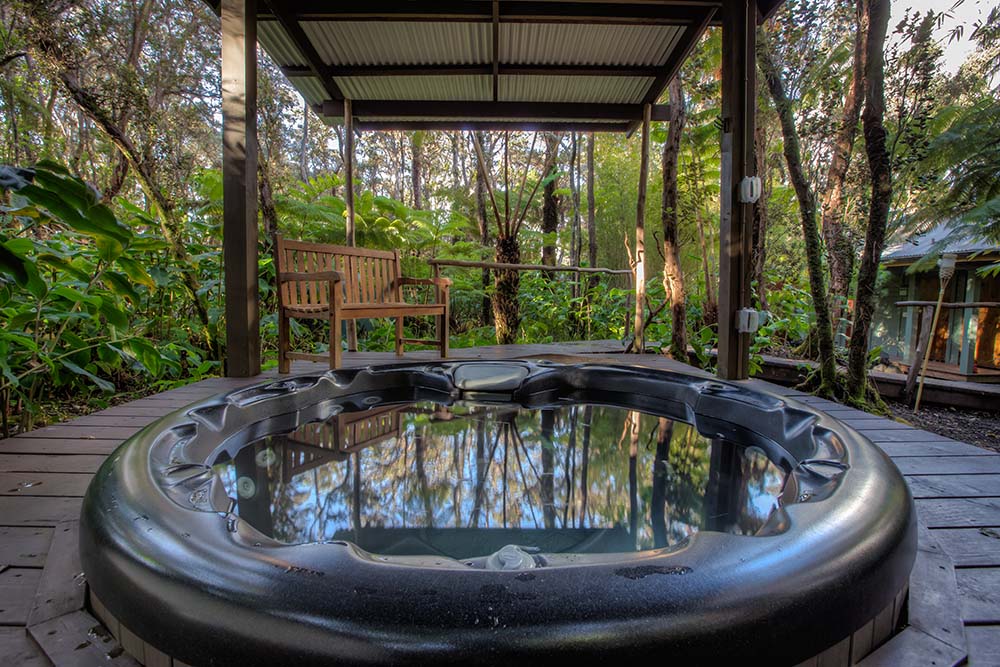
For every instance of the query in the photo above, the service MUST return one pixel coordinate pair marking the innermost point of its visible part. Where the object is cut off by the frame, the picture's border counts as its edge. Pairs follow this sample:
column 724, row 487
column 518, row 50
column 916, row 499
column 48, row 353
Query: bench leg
column 335, row 353
column 399, row 336
column 443, row 333
column 284, row 365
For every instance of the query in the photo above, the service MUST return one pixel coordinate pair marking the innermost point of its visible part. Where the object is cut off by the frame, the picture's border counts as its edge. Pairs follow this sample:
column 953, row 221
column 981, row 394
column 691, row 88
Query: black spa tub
column 497, row 513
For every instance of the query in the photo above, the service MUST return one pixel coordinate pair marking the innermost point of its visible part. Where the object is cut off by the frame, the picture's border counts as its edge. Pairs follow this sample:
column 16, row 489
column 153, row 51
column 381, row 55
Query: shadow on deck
column 954, row 591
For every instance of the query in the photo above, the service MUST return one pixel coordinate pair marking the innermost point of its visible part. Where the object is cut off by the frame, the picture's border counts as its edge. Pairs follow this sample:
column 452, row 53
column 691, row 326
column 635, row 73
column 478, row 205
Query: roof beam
column 496, row 50
column 483, row 70
column 679, row 54
column 481, row 11
column 490, row 126
column 371, row 110
column 319, row 68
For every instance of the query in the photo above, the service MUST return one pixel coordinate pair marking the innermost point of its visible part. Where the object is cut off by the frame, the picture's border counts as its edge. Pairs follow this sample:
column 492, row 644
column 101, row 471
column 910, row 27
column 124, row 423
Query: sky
column 967, row 12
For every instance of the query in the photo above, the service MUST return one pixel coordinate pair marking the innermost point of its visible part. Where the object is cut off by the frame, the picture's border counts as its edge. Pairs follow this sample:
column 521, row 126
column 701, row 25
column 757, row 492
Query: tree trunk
column 304, row 146
column 591, row 213
column 878, row 216
column 484, row 233
column 416, row 168
column 673, row 275
column 840, row 250
column 758, row 243
column 807, row 212
column 550, row 207
column 506, row 307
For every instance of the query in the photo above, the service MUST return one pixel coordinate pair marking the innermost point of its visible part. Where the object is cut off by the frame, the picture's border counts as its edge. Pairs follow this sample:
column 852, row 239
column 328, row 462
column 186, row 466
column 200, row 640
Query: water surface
column 466, row 479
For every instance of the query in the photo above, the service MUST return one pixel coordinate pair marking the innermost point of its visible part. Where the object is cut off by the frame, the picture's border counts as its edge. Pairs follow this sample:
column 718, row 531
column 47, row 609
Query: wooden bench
column 341, row 283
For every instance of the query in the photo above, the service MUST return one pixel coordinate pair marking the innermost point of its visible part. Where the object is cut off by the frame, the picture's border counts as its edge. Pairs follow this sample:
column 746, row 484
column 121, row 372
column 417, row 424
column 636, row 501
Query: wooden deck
column 954, row 590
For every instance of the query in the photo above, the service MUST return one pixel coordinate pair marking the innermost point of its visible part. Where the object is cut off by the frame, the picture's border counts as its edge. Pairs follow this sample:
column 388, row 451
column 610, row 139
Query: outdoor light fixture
column 946, row 269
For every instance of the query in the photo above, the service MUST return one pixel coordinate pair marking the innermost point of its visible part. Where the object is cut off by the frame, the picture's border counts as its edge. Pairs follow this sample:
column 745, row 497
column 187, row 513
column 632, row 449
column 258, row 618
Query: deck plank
column 57, row 446
column 984, row 645
column 72, row 484
column 19, row 650
column 37, row 510
column 959, row 512
column 17, row 593
column 954, row 486
column 73, row 431
column 895, row 449
column 947, row 465
column 24, row 547
column 88, row 463
column 979, row 588
column 971, row 547
column 78, row 640
column 61, row 589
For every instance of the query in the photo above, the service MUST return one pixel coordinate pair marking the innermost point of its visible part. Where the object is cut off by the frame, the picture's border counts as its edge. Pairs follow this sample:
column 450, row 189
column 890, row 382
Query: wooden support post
column 970, row 326
column 352, row 329
column 239, row 185
column 916, row 354
column 739, row 97
column 911, row 317
column 640, row 236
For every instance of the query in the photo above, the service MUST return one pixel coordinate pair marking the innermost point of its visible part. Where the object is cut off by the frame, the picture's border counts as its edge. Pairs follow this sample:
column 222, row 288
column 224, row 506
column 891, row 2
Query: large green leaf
column 101, row 383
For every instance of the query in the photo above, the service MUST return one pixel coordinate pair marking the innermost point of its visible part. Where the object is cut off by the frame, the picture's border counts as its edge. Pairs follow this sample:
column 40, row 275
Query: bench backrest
column 370, row 276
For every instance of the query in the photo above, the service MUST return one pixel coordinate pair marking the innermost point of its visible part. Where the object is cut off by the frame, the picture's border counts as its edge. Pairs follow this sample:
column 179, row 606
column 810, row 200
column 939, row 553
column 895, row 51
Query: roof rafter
column 370, row 110
column 319, row 68
column 510, row 11
column 485, row 69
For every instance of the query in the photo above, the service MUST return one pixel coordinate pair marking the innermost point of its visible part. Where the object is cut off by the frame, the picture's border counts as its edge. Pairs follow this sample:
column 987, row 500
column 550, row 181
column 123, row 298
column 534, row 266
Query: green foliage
column 77, row 284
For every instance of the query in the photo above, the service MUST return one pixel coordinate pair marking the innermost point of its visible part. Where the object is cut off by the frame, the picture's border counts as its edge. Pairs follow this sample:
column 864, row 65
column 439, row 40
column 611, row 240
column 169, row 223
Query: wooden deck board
column 971, row 547
column 57, row 446
column 37, row 510
column 957, row 487
column 17, row 593
column 19, row 650
column 24, row 547
column 51, row 462
column 980, row 591
column 954, row 486
column 21, row 484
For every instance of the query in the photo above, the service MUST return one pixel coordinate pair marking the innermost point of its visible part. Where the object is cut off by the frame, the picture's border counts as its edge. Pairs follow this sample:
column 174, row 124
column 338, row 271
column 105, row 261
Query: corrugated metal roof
column 919, row 245
column 518, row 120
column 279, row 45
column 580, row 44
column 311, row 89
column 476, row 88
column 599, row 89
column 400, row 43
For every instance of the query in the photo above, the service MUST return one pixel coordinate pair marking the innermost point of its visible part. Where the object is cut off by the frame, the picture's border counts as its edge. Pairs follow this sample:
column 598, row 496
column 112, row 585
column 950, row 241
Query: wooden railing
column 436, row 265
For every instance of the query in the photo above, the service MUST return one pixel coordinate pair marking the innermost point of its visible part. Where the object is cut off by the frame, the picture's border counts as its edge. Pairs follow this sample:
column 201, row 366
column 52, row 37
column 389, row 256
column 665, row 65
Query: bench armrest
column 289, row 276
column 440, row 282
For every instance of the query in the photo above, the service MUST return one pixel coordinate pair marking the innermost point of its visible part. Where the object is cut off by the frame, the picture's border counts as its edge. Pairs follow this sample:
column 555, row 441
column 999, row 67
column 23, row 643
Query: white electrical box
column 750, row 189
column 748, row 320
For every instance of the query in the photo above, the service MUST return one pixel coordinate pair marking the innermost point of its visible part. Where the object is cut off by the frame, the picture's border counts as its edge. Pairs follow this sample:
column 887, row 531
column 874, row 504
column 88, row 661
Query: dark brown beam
column 370, row 110
column 239, row 186
column 675, row 59
column 496, row 50
column 680, row 54
column 319, row 68
column 489, row 126
column 631, row 13
column 483, row 70
column 739, row 103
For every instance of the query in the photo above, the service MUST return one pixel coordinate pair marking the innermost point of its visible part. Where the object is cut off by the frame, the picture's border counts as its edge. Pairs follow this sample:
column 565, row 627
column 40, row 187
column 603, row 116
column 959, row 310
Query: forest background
column 110, row 226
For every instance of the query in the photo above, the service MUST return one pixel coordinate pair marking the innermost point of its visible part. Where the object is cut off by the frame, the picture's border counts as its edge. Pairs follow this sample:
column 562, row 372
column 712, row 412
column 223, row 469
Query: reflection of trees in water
column 504, row 467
